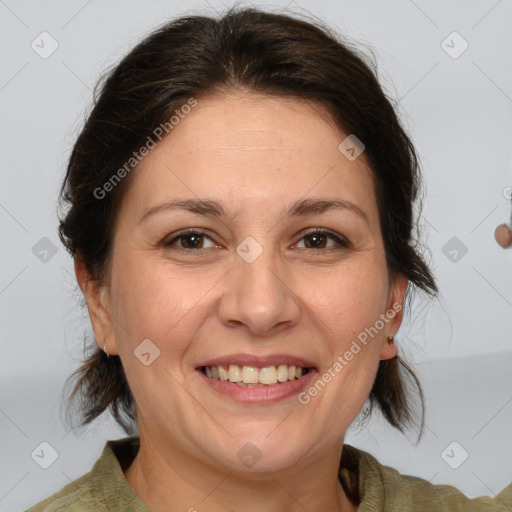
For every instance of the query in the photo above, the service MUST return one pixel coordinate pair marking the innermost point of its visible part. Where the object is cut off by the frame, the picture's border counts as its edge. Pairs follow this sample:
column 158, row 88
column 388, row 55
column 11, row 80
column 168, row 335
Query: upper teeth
column 253, row 374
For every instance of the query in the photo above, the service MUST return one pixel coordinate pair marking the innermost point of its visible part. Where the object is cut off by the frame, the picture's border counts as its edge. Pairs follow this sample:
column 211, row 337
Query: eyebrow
column 301, row 208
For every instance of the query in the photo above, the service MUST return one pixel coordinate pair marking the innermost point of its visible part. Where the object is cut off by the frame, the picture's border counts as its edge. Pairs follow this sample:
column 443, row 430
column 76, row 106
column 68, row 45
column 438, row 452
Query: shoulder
column 385, row 487
column 103, row 488
column 77, row 496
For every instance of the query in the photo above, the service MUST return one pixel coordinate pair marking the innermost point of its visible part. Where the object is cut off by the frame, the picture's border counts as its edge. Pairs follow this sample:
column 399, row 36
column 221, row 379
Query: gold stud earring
column 391, row 339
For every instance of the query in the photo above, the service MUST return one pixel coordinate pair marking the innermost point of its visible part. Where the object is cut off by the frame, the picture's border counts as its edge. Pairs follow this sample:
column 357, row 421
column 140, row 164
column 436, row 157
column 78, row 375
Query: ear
column 394, row 315
column 98, row 303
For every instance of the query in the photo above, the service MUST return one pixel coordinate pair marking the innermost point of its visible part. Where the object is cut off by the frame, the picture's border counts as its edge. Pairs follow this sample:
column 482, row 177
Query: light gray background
column 459, row 114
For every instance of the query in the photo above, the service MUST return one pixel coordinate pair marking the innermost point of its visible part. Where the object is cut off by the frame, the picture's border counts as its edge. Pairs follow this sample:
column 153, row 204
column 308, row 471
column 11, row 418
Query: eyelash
column 343, row 244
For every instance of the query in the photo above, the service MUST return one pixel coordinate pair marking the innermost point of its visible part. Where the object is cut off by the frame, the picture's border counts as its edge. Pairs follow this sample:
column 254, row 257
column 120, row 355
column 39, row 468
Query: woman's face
column 258, row 281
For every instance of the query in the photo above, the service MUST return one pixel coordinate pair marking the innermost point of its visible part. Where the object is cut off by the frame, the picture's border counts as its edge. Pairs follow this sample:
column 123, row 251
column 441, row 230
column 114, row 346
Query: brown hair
column 191, row 57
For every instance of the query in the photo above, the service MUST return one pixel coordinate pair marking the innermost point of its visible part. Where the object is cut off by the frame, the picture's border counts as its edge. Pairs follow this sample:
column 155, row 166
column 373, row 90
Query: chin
column 260, row 452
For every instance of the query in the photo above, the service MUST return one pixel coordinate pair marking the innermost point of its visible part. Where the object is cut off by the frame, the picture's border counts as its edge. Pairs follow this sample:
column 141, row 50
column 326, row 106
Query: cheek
column 348, row 299
column 345, row 306
column 160, row 302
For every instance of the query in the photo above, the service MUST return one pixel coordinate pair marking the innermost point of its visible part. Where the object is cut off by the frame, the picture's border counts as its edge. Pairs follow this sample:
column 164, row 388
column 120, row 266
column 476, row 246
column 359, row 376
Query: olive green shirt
column 373, row 486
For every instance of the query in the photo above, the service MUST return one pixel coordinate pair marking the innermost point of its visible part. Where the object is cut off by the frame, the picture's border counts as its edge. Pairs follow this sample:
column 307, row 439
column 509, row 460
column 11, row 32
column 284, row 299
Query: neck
column 164, row 476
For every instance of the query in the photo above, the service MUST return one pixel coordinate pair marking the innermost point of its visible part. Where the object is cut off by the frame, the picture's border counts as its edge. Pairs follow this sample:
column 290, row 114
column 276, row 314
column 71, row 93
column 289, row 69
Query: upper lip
column 258, row 361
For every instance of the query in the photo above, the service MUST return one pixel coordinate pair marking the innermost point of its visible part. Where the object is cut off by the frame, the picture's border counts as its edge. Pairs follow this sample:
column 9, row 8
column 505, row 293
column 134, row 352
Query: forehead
column 243, row 126
column 253, row 150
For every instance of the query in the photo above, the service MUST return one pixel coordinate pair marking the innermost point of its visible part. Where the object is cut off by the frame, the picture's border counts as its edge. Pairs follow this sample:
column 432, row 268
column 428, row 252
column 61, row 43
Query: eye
column 190, row 240
column 193, row 239
column 318, row 239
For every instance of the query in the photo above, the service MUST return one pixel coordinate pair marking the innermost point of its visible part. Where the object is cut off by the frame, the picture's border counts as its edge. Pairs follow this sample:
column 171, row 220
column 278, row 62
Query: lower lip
column 267, row 394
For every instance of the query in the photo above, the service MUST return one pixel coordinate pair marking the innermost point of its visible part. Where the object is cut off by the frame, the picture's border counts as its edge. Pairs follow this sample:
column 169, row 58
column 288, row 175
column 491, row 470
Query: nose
column 258, row 297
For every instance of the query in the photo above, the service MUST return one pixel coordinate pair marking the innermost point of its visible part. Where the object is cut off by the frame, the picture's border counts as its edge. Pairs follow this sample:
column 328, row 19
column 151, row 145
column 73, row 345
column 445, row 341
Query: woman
column 241, row 219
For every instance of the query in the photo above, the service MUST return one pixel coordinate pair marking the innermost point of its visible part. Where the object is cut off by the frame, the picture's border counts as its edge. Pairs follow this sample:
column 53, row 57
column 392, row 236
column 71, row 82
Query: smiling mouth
column 252, row 376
